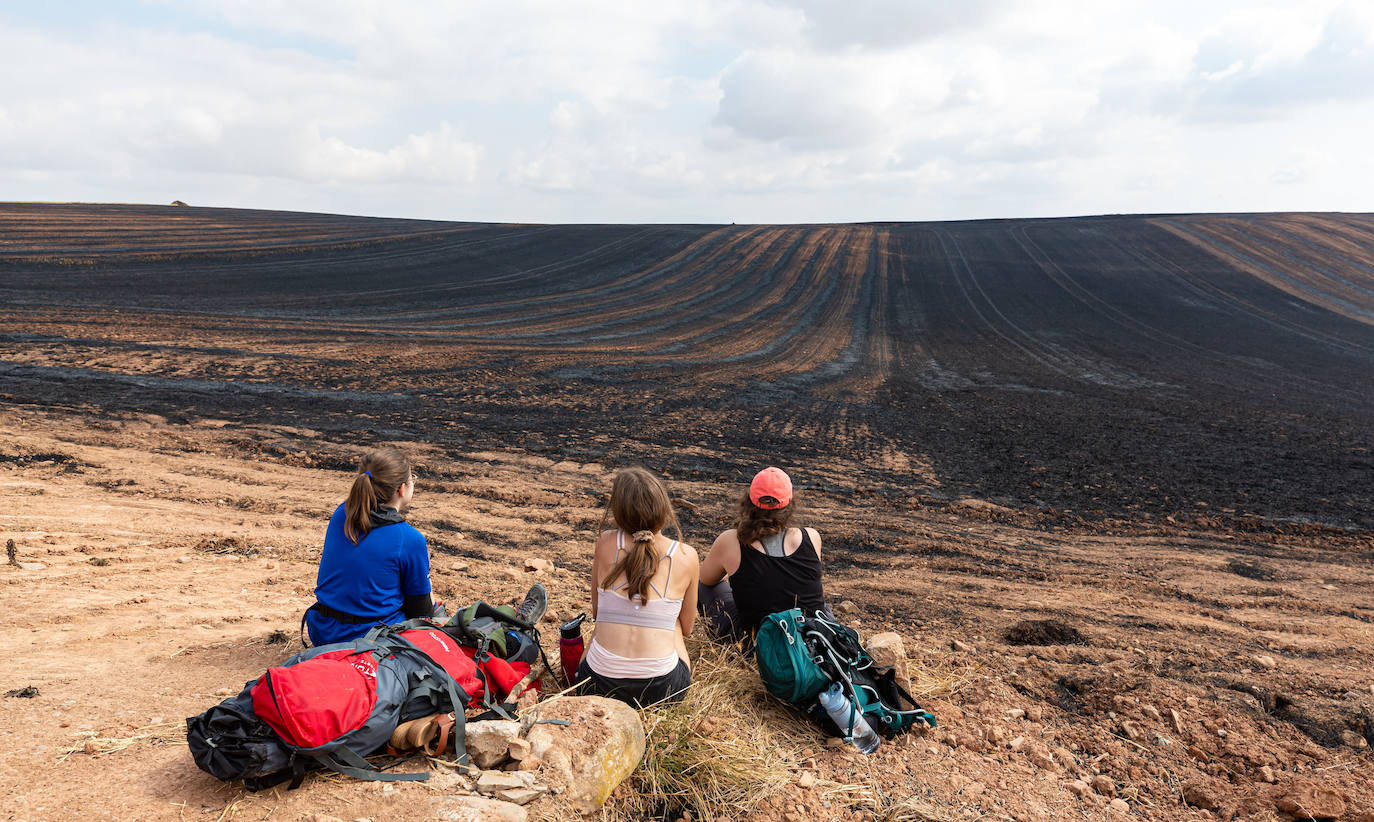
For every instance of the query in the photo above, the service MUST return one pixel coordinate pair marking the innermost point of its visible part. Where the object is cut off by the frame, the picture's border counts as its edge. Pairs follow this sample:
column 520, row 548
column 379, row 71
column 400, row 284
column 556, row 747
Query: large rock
column 602, row 744
column 477, row 809
column 1305, row 799
column 887, row 651
column 489, row 742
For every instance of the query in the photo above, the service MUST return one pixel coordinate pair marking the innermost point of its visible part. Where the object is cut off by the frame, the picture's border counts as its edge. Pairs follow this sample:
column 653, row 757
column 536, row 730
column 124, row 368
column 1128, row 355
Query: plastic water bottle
column 837, row 705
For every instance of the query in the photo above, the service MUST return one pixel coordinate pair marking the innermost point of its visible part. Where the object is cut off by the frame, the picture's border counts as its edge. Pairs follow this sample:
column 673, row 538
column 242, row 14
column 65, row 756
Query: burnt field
column 1133, row 367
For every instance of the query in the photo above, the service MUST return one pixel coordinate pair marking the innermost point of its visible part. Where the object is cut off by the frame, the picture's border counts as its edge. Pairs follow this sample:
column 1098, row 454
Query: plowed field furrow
column 1250, row 247
column 1112, row 365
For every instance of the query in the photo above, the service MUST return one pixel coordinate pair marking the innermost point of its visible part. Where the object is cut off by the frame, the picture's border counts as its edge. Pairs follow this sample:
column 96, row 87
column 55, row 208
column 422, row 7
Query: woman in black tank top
column 771, row 566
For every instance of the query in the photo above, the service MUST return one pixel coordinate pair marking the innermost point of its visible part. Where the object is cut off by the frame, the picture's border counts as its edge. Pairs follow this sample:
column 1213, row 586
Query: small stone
column 1305, row 799
column 1015, row 714
column 1198, row 754
column 1266, row 774
column 1353, row 739
column 478, row 809
column 1131, row 731
column 806, row 780
column 961, row 647
column 1042, row 760
column 1176, row 720
column 835, row 742
column 996, row 735
column 520, row 748
column 1150, row 711
column 491, row 782
column 489, row 742
column 1017, row 744
column 1077, row 787
column 530, row 763
column 969, row 742
column 887, row 650
column 1034, row 713
column 551, row 617
column 1120, row 806
column 1265, row 661
column 522, row 796
column 183, row 560
column 542, row 566
column 1104, row 785
column 1200, row 795
column 322, row 817
column 225, row 692
column 847, row 608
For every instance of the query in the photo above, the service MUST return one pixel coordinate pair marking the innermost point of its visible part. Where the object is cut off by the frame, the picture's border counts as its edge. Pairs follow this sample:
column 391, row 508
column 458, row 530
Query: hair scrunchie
column 368, row 474
column 642, row 536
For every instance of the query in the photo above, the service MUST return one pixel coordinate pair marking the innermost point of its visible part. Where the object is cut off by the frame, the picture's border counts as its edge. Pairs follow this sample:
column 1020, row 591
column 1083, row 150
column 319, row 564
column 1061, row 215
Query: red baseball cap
column 771, row 482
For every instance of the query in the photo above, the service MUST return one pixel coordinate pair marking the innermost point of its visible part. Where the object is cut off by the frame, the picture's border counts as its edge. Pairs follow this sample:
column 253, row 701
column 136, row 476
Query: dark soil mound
column 1043, row 632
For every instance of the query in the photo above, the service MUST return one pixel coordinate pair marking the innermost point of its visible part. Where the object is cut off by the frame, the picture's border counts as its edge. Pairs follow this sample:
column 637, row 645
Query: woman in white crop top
column 644, row 592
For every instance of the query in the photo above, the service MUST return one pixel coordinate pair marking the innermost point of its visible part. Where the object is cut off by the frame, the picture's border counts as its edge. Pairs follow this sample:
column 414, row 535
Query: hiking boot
column 536, row 603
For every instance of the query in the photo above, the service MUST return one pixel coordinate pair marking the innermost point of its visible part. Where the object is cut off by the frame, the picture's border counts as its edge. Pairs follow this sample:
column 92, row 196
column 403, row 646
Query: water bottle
column 570, row 647
column 837, row 705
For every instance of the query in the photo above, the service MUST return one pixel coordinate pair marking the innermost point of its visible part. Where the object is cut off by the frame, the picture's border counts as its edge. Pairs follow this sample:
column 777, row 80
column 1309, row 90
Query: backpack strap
column 347, row 762
column 773, row 545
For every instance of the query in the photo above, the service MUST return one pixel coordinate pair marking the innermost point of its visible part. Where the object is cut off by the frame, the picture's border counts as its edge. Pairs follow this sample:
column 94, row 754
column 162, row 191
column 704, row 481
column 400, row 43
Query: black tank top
column 764, row 584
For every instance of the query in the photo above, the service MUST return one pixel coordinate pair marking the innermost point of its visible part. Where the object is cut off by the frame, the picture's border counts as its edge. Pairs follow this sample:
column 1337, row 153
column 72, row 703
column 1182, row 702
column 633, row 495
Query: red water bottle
column 570, row 647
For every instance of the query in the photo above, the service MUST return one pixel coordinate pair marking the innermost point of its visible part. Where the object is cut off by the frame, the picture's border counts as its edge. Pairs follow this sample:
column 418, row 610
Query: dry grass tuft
column 90, row 742
column 730, row 745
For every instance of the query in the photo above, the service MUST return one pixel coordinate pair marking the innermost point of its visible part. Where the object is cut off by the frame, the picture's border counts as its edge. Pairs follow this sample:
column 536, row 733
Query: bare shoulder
column 730, row 537
column 688, row 554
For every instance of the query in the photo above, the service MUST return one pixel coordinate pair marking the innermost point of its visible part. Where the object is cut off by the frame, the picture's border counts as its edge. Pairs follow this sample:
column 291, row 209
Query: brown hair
column 641, row 507
column 753, row 523
column 380, row 473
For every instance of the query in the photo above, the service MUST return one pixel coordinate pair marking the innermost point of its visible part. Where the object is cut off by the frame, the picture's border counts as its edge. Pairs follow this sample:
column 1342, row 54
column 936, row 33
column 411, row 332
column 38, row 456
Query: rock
column 835, row 742
column 602, row 744
column 887, row 650
column 543, row 566
column 1201, row 795
column 489, row 742
column 1103, row 784
column 996, row 736
column 1353, row 739
column 1266, row 774
column 806, row 780
column 522, row 796
column 1017, row 744
column 1120, row 806
column 494, row 781
column 1265, row 661
column 1150, row 711
column 183, row 560
column 1034, row 713
column 551, row 617
column 1371, row 688
column 521, row 749
column 1131, row 731
column 530, row 763
column 1077, row 787
column 1042, row 760
column 1015, row 714
column 847, row 608
column 477, row 809
column 1305, row 799
column 1198, row 753
column 961, row 647
column 1177, row 721
column 969, row 742
column 322, row 817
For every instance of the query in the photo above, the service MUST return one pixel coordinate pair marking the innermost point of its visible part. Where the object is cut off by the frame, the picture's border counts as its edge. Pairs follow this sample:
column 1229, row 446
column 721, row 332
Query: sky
column 691, row 111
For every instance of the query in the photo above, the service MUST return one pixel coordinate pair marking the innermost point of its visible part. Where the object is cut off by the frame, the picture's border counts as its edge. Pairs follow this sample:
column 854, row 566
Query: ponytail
column 641, row 506
column 380, row 474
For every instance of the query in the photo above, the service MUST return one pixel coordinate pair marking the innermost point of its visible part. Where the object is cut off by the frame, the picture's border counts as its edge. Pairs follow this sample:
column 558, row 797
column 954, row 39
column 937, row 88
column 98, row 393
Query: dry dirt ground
column 176, row 562
column 1149, row 437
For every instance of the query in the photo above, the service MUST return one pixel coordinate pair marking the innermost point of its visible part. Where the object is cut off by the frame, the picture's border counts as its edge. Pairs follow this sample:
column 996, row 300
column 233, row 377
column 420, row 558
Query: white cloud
column 757, row 110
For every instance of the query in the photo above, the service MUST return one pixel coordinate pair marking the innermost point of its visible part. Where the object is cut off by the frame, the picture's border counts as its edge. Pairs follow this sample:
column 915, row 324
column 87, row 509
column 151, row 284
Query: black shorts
column 669, row 688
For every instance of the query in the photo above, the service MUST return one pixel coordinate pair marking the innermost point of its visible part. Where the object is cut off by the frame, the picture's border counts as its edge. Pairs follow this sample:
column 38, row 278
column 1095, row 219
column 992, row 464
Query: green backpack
column 785, row 663
column 800, row 656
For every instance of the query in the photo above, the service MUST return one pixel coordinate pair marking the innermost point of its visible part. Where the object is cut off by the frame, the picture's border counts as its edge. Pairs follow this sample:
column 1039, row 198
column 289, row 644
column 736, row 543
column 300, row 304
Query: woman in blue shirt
column 375, row 565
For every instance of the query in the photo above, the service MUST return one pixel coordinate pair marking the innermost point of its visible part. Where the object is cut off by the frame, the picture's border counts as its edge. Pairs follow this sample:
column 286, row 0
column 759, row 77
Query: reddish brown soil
column 1091, row 421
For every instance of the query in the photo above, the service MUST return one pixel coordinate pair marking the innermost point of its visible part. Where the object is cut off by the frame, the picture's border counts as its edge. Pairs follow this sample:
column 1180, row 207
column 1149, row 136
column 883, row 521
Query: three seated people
column 646, row 587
